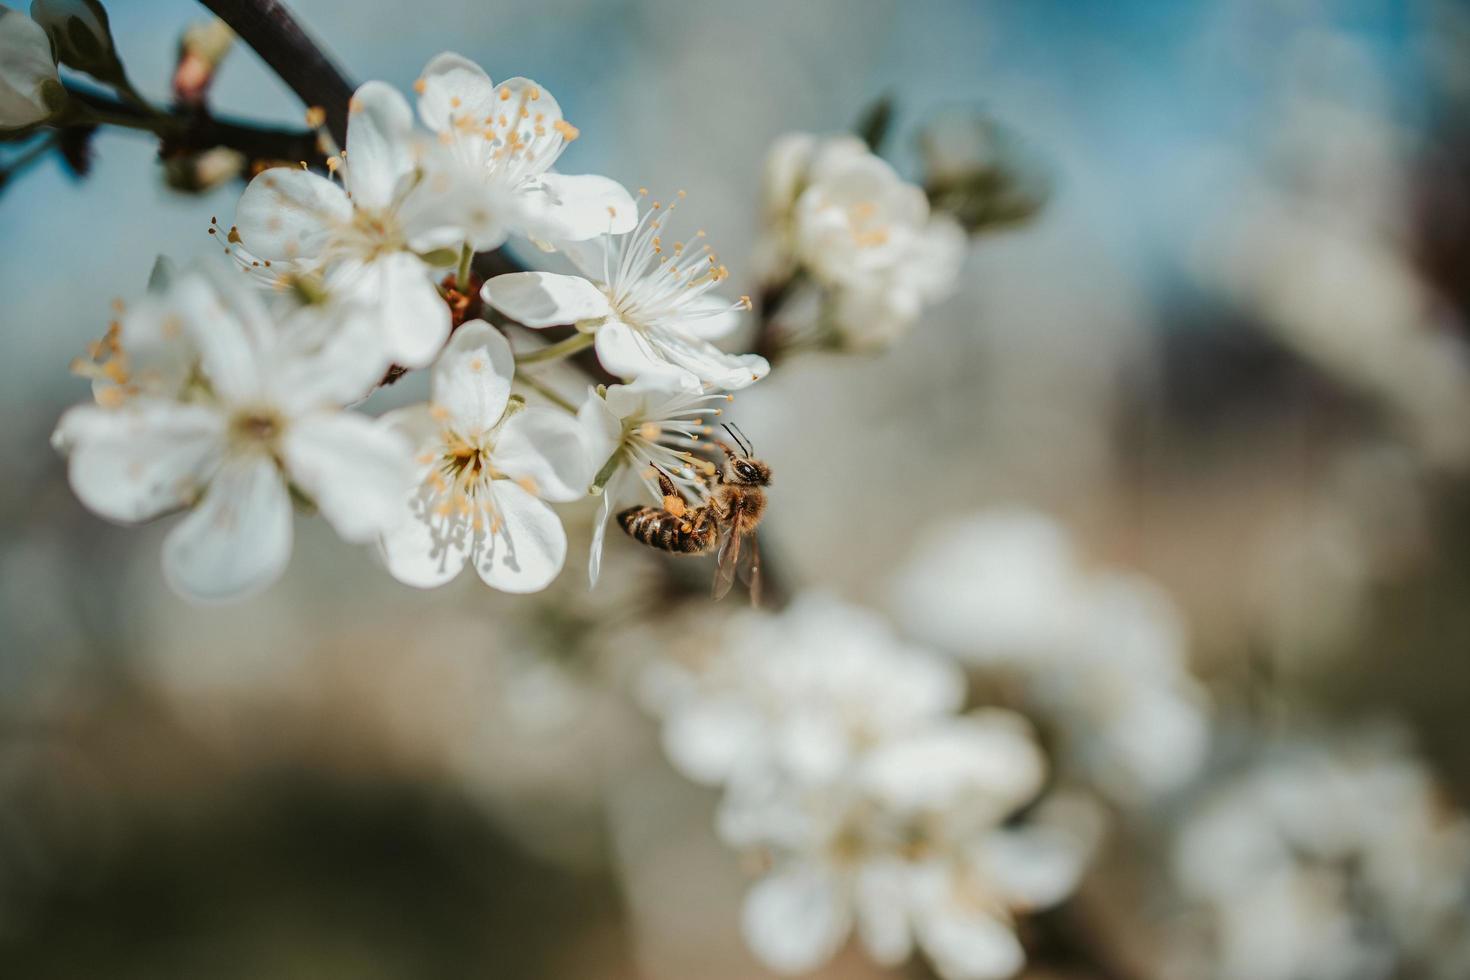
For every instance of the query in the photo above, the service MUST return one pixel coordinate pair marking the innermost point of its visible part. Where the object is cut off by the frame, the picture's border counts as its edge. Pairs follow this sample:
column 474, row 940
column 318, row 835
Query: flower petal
column 627, row 353
column 398, row 288
column 881, row 894
column 525, row 545
column 967, row 944
column 328, row 355
column 544, row 299
column 707, row 362
column 546, row 451
column 423, row 548
column 794, row 920
column 356, row 471
column 453, row 85
column 238, row 540
column 599, row 538
column 287, row 213
column 379, row 144
column 138, row 461
column 574, row 208
column 471, row 379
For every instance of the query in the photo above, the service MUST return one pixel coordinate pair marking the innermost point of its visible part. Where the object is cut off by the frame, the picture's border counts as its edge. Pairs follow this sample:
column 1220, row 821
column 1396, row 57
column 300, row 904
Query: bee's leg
column 673, row 500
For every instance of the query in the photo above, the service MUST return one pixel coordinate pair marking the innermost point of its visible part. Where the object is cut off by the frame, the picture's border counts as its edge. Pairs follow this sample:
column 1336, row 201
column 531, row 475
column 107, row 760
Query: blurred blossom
column 30, row 90
column 836, row 211
column 1328, row 861
column 880, row 809
column 1099, row 655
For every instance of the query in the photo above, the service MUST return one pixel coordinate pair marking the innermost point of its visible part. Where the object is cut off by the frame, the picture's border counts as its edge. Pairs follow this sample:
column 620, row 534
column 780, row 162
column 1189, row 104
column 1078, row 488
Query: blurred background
column 1229, row 354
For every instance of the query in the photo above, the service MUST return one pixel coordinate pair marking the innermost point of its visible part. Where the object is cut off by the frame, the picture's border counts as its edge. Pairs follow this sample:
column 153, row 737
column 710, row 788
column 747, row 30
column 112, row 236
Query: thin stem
column 545, row 391
column 186, row 130
column 462, row 275
column 557, row 351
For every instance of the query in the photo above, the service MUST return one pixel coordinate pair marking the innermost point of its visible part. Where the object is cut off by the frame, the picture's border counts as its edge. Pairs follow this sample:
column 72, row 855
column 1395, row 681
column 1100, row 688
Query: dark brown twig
column 273, row 33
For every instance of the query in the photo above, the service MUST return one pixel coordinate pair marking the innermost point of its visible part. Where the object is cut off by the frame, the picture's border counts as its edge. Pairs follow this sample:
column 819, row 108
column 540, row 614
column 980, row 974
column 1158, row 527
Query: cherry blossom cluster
column 1100, row 654
column 1327, row 858
column 229, row 389
column 877, row 806
column 860, row 243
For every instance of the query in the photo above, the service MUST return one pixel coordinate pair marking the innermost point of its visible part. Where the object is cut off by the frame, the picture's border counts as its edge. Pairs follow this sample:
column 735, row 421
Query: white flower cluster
column 841, row 215
column 1328, row 862
column 880, row 808
column 231, row 400
column 1099, row 654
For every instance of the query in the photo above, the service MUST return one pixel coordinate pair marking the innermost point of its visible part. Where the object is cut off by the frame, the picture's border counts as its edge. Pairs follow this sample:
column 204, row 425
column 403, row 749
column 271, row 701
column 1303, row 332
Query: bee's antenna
column 735, row 434
column 749, row 446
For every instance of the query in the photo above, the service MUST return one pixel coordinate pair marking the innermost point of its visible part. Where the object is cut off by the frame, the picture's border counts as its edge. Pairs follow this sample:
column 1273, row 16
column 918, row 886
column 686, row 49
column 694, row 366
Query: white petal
column 599, row 538
column 1032, row 867
column 715, row 317
column 398, row 288
column 328, row 355
column 226, row 322
column 526, row 549
column 626, row 352
column 545, row 450
column 136, row 462
column 967, row 944
column 238, row 540
column 379, row 144
column 288, row 213
column 418, row 548
column 544, row 299
column 574, row 208
column 708, row 739
column 706, row 361
column 357, row 472
column 25, row 69
column 453, row 86
column 471, row 379
column 881, row 895
column 794, row 920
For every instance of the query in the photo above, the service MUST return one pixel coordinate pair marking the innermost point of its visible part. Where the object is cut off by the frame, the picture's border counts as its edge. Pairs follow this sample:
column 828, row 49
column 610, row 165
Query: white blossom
column 647, row 301
column 841, row 213
column 30, row 90
column 1101, row 655
column 487, row 467
column 260, row 416
column 637, row 430
column 802, row 693
column 366, row 238
column 500, row 142
column 1326, row 861
column 879, row 810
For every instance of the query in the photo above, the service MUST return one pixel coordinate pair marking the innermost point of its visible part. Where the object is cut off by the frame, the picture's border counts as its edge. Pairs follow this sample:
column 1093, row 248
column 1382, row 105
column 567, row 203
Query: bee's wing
column 750, row 569
column 728, row 557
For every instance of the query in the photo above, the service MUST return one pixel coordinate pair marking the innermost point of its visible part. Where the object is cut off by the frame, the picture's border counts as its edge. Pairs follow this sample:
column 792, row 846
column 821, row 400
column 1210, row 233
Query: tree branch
column 187, row 129
column 273, row 33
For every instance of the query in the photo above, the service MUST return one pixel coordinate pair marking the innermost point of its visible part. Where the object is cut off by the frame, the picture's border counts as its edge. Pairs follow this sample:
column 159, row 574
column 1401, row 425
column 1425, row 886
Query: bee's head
column 743, row 468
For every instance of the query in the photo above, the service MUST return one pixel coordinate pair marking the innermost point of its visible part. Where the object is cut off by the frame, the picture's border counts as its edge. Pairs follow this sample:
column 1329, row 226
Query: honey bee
column 728, row 516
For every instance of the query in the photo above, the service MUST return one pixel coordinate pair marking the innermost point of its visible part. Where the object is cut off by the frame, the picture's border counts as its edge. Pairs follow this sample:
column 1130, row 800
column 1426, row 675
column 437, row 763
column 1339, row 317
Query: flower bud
column 30, row 91
column 204, row 171
column 202, row 49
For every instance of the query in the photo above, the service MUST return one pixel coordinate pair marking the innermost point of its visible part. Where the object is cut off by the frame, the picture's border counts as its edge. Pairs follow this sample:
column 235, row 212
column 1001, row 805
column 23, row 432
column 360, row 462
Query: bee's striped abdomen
column 691, row 534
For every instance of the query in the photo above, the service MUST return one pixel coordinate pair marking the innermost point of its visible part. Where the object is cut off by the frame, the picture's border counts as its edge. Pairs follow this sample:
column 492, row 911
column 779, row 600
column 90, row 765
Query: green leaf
column 874, row 123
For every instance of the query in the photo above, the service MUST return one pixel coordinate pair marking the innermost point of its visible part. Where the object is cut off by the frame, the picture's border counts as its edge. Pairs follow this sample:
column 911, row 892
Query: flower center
column 256, row 429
